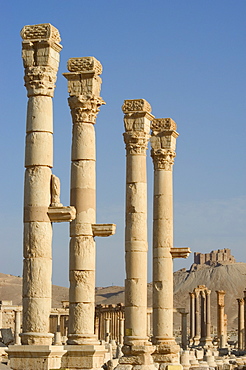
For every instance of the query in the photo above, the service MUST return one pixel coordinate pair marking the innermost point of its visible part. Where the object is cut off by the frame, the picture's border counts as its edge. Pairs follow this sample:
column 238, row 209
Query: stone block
column 35, row 357
column 39, row 114
column 39, row 149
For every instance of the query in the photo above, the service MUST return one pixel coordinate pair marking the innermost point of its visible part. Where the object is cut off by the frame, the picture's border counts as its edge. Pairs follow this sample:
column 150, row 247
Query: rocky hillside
column 229, row 277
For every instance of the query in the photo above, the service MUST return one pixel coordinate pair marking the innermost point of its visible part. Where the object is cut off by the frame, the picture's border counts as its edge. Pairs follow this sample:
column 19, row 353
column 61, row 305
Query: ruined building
column 214, row 257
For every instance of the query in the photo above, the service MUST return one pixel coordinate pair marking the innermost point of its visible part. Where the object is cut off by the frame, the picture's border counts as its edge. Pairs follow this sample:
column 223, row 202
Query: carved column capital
column 40, row 53
column 84, row 108
column 136, row 142
column 240, row 301
column 163, row 159
column 84, row 86
column 163, row 143
column 137, row 118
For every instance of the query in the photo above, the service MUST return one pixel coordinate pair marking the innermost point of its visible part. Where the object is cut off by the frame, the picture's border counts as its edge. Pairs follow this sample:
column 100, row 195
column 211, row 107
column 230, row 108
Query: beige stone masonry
column 221, row 332
column 42, row 357
column 84, row 85
column 137, row 350
column 163, row 144
column 84, row 101
column 40, row 53
column 241, row 323
column 103, row 230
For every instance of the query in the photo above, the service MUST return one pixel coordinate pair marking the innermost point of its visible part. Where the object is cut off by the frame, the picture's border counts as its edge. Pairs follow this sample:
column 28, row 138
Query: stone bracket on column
column 180, row 252
column 103, row 230
column 61, row 214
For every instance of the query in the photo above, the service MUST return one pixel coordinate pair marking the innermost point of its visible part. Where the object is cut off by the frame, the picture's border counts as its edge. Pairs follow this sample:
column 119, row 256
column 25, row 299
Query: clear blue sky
column 187, row 59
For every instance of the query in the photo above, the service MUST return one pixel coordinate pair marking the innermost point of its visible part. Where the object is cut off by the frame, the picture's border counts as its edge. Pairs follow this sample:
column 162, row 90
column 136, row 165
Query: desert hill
column 229, row 277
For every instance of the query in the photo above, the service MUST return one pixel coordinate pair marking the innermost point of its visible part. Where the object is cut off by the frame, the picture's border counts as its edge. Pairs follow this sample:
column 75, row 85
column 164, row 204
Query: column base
column 206, row 342
column 86, row 356
column 23, row 357
column 40, row 339
column 137, row 355
column 196, row 341
column 74, row 339
column 167, row 351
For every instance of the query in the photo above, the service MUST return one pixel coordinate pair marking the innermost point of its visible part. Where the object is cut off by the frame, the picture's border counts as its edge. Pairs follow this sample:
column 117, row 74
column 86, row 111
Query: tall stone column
column 203, row 317
column 163, row 144
column 192, row 317
column 121, row 330
column 208, row 339
column 244, row 298
column 84, row 85
column 137, row 119
column 17, row 326
column 184, row 329
column 221, row 317
column 241, row 328
column 40, row 53
column 197, row 318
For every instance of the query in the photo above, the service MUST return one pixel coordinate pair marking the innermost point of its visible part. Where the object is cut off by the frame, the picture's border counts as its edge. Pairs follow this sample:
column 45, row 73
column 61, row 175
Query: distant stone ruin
column 214, row 257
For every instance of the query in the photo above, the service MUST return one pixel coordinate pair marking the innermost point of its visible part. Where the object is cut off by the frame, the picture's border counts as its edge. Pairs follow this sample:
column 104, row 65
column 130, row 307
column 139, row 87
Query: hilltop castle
column 214, row 257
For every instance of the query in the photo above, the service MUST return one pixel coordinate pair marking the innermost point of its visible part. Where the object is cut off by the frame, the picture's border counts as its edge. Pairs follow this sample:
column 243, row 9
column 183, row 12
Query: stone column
column 244, row 298
column 203, row 317
column 240, row 302
column 84, row 85
column 184, row 330
column 220, row 317
column 121, row 330
column 40, row 53
column 208, row 339
column 192, row 318
column 17, row 326
column 197, row 318
column 137, row 127
column 107, row 330
column 163, row 144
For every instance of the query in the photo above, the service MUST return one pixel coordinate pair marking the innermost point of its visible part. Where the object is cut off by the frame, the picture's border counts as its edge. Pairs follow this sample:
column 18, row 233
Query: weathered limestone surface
column 84, row 101
column 84, row 85
column 40, row 52
column 42, row 357
column 163, row 144
column 137, row 350
column 241, row 323
column 221, row 318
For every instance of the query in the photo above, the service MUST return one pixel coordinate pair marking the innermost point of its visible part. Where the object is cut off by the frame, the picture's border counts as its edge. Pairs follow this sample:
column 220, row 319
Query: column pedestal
column 23, row 357
column 84, row 356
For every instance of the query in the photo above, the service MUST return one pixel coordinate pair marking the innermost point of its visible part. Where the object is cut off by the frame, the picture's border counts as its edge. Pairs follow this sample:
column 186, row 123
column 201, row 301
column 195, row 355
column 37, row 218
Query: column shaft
column 184, row 329
column 137, row 127
column 220, row 316
column 84, row 101
column 240, row 323
column 163, row 144
column 41, row 58
column 192, row 317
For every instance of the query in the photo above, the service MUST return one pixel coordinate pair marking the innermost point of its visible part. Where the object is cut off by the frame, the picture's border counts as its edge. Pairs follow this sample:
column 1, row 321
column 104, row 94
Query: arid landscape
column 229, row 277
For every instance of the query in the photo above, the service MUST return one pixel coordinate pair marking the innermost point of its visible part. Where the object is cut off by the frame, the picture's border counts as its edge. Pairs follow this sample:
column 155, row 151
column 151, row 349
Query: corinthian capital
column 40, row 53
column 163, row 159
column 137, row 120
column 84, row 86
column 163, row 143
